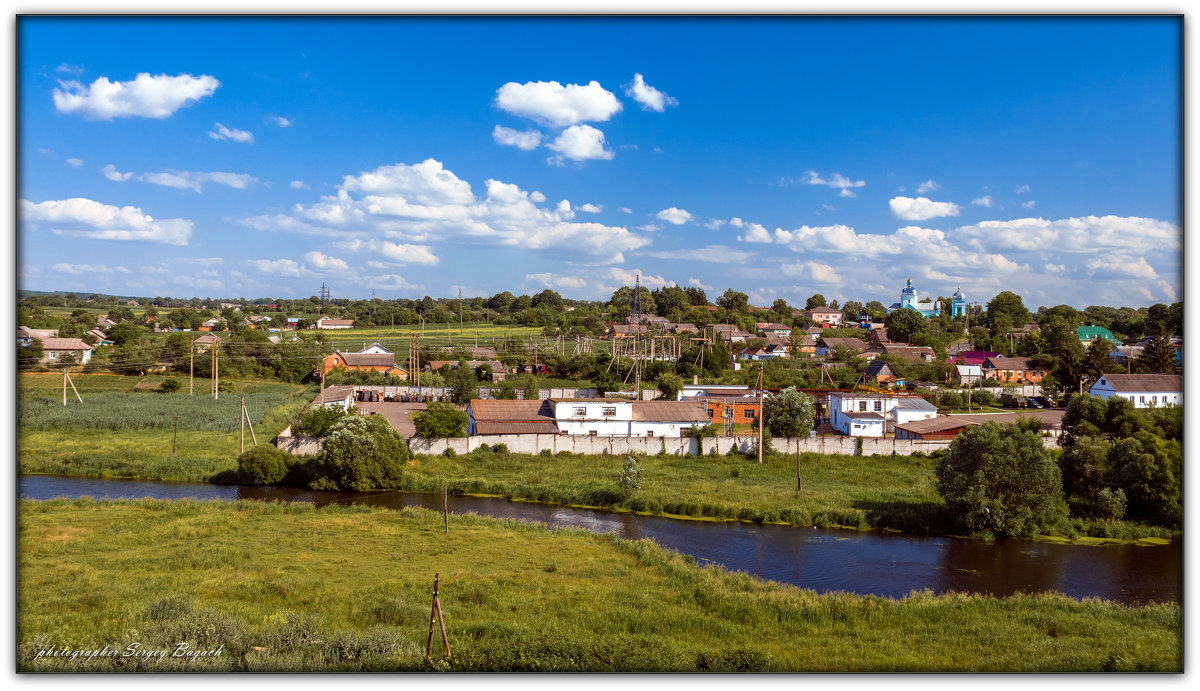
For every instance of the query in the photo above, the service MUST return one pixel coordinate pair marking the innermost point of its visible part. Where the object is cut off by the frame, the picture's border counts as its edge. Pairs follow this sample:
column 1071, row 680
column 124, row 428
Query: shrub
column 361, row 453
column 499, row 448
column 545, row 452
column 170, row 385
column 449, row 452
column 630, row 478
column 262, row 465
column 315, row 421
column 440, row 420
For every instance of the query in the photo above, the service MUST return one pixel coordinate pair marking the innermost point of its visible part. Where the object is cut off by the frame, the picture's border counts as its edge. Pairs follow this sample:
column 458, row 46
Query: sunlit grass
column 350, row 588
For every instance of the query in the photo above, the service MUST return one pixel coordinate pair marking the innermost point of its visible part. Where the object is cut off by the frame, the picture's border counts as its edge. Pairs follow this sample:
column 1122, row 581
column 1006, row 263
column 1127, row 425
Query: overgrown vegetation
column 274, row 584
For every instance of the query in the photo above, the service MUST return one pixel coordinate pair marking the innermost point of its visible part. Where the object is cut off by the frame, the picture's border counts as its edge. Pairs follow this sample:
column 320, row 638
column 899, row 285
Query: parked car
column 1038, row 402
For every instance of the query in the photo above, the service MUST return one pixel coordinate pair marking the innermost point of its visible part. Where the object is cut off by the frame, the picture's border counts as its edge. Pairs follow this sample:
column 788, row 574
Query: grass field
column 293, row 588
column 120, row 431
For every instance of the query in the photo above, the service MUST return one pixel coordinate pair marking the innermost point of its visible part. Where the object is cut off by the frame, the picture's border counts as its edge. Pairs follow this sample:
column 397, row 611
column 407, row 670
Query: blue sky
column 256, row 157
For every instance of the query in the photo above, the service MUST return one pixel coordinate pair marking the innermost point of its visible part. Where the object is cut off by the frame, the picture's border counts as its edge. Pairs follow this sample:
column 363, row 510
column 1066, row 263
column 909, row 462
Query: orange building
column 1012, row 370
column 733, row 409
column 367, row 362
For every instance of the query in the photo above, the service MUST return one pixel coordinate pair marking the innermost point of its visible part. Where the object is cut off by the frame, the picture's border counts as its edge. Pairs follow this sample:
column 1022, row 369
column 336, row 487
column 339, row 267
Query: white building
column 863, row 414
column 1144, row 390
column 600, row 417
column 692, row 391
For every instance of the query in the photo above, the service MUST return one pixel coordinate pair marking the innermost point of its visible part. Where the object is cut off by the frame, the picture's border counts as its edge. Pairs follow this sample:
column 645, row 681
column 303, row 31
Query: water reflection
column 823, row 560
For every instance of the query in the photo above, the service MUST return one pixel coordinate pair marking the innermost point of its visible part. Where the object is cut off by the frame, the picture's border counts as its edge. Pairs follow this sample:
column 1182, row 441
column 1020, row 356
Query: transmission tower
column 324, row 296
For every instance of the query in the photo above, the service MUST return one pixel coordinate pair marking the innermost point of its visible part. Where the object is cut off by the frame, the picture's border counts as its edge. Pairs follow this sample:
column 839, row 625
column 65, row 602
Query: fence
column 437, row 392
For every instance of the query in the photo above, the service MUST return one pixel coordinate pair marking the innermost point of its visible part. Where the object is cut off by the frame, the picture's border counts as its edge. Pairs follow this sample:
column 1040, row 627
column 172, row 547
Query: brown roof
column 669, row 411
column 336, row 322
column 1145, row 382
column 208, row 339
column 851, row 343
column 64, row 344
column 334, row 393
column 911, row 353
column 942, row 423
column 824, row 310
column 1020, row 364
column 511, row 411
column 367, row 359
column 490, row 427
column 496, row 365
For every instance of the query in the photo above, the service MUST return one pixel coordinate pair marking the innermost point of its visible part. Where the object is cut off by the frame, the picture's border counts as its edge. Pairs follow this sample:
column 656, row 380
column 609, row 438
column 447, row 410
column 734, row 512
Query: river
column 888, row 565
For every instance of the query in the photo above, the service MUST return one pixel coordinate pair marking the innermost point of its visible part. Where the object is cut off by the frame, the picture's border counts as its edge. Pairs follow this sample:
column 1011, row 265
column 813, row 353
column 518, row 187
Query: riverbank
column 887, row 493
column 287, row 587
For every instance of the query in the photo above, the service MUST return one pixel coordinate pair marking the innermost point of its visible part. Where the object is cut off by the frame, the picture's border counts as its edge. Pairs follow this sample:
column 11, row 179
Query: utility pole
column 242, row 424
column 174, row 435
column 191, row 363
column 760, row 412
column 460, row 312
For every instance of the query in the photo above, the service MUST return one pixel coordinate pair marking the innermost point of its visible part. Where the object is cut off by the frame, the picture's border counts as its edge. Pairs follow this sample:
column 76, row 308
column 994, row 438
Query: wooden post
column 435, row 615
column 242, row 424
column 446, row 507
column 174, row 435
column 64, row 387
column 191, row 363
column 249, row 424
column 799, row 483
column 72, row 383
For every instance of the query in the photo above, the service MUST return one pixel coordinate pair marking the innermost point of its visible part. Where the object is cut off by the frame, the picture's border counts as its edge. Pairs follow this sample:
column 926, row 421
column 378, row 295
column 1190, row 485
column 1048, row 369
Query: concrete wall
column 298, row 445
column 484, row 392
column 535, row 443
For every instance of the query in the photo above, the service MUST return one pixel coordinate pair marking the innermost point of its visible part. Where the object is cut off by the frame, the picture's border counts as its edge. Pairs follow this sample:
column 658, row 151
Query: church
column 908, row 299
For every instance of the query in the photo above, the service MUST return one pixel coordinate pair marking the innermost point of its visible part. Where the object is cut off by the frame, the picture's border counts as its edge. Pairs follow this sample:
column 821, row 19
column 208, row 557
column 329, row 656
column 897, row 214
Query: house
column 695, row 391
column 969, row 374
column 731, row 408
column 328, row 323
column 206, row 341
column 868, row 414
column 880, row 372
column 878, row 337
column 825, row 346
column 624, row 331
column 101, row 339
column 54, row 350
column 681, row 327
column 773, row 329
column 25, row 335
column 972, row 357
column 825, row 316
column 1012, row 370
column 910, row 353
column 731, row 333
column 941, row 428
column 104, row 322
column 499, row 372
column 364, row 361
column 340, row 396
column 376, row 349
column 1144, row 390
column 510, row 417
column 767, row 352
column 625, row 418
column 1123, row 354
column 1090, row 333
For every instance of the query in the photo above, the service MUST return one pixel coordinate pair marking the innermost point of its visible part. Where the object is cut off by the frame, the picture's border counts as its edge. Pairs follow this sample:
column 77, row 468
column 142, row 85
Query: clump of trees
column 360, row 453
column 788, row 413
column 262, row 465
column 1002, row 481
column 440, row 420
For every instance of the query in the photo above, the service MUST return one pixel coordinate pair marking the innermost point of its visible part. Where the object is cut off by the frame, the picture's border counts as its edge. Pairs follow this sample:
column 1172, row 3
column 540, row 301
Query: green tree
column 315, row 421
column 1084, row 465
column 1158, row 356
column 507, row 391
column 262, row 465
column 1097, row 358
column 814, row 301
column 361, row 453
column 440, row 420
column 28, row 356
column 463, row 384
column 669, row 385
column 733, row 301
column 1007, row 304
column 1001, row 481
column 1148, row 469
column 788, row 413
column 903, row 324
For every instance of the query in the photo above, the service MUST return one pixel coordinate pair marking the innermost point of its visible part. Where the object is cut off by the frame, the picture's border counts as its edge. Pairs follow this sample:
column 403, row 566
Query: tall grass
column 138, row 411
column 288, row 587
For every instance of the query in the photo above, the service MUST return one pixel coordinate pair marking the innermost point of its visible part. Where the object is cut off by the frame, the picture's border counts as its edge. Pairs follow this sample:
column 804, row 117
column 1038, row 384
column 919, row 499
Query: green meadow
column 287, row 587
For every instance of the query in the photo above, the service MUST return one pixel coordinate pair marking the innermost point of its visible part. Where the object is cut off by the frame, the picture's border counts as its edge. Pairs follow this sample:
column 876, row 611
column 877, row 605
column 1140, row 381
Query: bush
column 361, row 453
column 631, row 476
column 315, row 421
column 449, row 452
column 499, row 448
column 545, row 452
column 170, row 385
column 262, row 465
column 440, row 420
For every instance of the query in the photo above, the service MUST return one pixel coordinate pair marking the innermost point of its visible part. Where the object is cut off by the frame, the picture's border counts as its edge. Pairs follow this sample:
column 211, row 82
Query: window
column 51, row 354
column 748, row 413
column 609, row 411
column 878, row 406
column 862, row 406
column 710, row 413
column 1141, row 399
column 591, row 433
column 580, row 411
column 650, row 433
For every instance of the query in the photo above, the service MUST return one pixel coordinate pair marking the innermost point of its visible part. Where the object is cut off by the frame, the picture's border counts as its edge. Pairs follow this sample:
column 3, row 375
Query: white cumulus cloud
column 220, row 131
column 580, row 143
column 1021, row 189
column 557, row 105
column 157, row 96
column 298, row 185
column 673, row 215
column 716, row 254
column 648, row 96
column 525, row 140
column 556, row 282
column 928, row 186
column 279, row 121
column 110, row 172
column 921, row 208
column 74, row 162
column 324, row 262
column 91, row 219
column 697, row 283
column 984, row 201
column 1029, row 204
column 591, row 208
column 76, row 269
column 278, row 267
column 195, row 181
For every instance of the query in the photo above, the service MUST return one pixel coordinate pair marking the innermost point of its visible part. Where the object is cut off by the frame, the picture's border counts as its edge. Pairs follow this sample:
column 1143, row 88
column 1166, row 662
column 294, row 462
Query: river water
column 888, row 565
